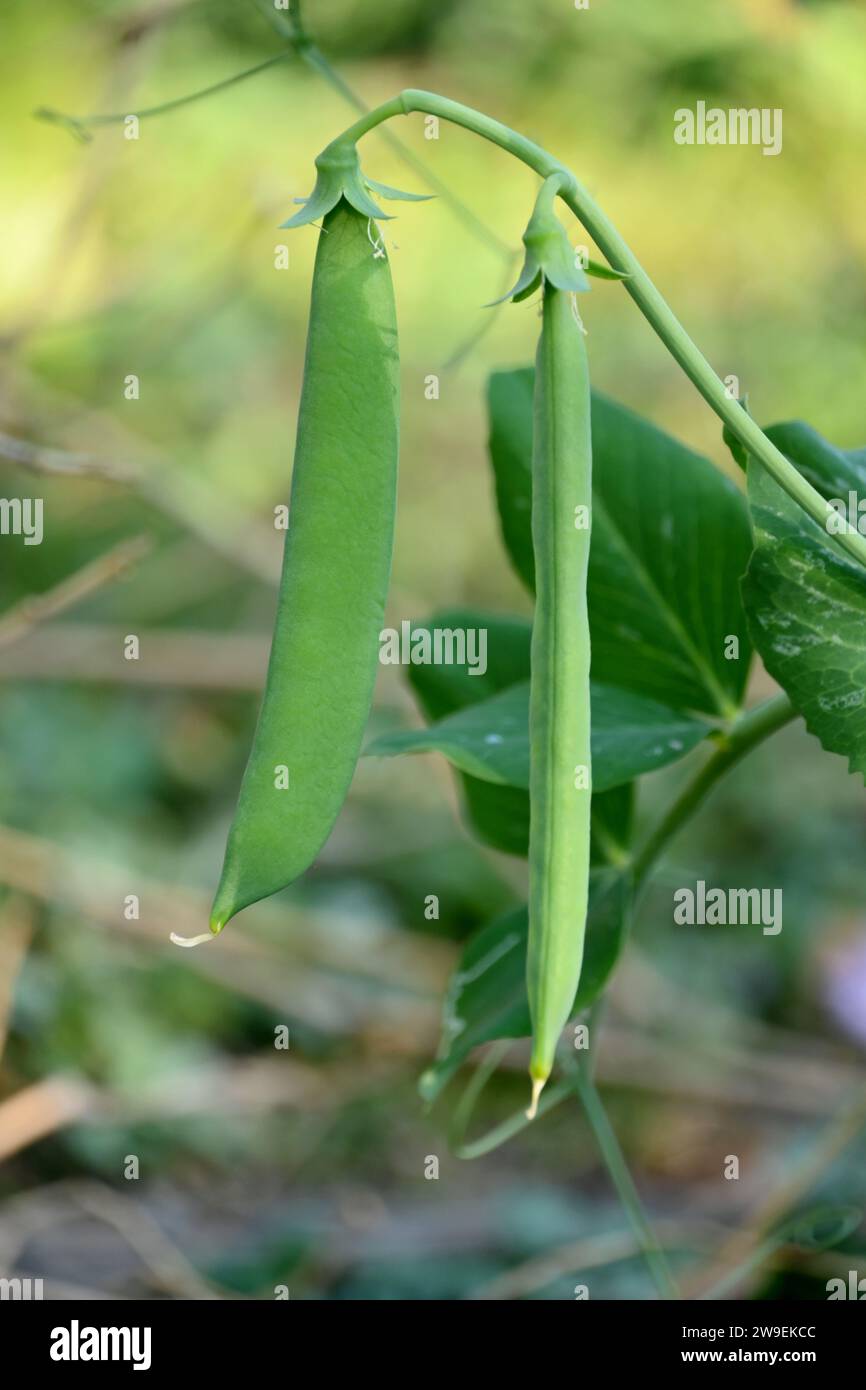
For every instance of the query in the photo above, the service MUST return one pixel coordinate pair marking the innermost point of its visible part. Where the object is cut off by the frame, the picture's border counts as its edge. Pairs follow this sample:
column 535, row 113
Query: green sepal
column 355, row 192
column 325, row 196
column 605, row 272
column 386, row 191
column 547, row 243
column 339, row 175
column 528, row 282
column 549, row 253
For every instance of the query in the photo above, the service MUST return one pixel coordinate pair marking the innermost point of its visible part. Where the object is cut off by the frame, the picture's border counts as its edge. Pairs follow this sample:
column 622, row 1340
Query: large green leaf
column 486, row 996
column 612, row 824
column 490, row 739
column 806, row 604
column 834, row 472
column 498, row 816
column 509, row 413
column 670, row 540
column 442, row 689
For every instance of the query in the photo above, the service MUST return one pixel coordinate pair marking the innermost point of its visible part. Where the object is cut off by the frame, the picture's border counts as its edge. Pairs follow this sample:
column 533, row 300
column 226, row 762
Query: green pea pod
column 559, row 717
column 335, row 576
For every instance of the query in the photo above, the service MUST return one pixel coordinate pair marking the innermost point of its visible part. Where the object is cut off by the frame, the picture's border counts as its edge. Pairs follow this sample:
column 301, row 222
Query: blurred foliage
column 156, row 257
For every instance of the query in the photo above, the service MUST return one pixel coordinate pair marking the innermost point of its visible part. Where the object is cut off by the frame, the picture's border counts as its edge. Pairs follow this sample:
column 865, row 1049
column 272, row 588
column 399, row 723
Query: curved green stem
column 745, row 734
column 623, row 1181
column 506, row 1129
column 637, row 283
column 291, row 26
column 431, row 104
column 79, row 125
column 582, row 1073
column 578, row 1080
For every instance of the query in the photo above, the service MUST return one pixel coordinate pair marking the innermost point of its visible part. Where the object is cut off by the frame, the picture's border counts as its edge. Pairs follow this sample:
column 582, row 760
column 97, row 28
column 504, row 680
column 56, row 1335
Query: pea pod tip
column 538, row 1083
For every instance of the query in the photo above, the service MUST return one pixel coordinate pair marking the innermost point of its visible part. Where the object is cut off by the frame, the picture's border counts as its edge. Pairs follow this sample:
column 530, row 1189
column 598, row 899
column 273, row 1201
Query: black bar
column 230, row 1337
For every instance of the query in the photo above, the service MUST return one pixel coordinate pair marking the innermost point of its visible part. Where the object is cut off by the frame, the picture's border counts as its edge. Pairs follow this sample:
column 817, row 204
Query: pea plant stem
column 746, row 732
column 81, row 124
column 614, row 1161
column 638, row 284
column 582, row 1077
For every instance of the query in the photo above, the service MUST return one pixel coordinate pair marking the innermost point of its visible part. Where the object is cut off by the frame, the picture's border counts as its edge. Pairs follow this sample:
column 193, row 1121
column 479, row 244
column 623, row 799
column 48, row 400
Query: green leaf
column 490, row 738
column 612, row 824
column 739, row 452
column 497, row 816
column 486, row 995
column 670, row 540
column 509, row 413
column 806, row 605
column 834, row 472
column 820, row 1228
column 442, row 689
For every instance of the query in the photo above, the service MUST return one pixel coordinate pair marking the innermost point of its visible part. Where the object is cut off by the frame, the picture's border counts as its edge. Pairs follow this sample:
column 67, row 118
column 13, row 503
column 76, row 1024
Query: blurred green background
column 156, row 257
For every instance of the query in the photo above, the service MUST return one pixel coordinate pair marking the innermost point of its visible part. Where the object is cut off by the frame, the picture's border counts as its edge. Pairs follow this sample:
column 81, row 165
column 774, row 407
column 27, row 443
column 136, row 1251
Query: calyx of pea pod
column 339, row 175
column 549, row 254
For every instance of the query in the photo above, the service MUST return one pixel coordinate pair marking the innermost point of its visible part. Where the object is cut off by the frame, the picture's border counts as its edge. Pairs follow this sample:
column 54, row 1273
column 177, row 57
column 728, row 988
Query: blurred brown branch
column 190, row 659
column 256, row 1085
column 593, row 1252
column 248, row 543
column 19, row 620
column 41, row 459
column 33, row 1213
column 36, row 1111
column 773, row 1082
column 596, row 1252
